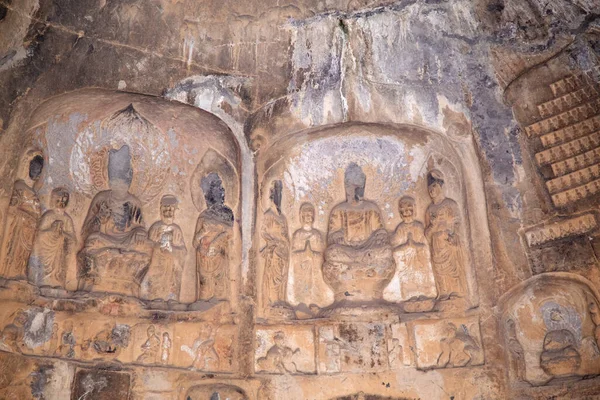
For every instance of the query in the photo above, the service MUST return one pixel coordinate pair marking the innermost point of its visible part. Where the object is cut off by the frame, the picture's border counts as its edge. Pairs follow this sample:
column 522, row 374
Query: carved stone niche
column 119, row 332
column 551, row 329
column 557, row 105
column 125, row 194
column 360, row 217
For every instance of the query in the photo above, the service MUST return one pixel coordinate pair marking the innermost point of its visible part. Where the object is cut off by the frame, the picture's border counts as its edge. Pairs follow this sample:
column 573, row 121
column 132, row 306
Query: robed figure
column 276, row 251
column 54, row 246
column 305, row 281
column 443, row 231
column 163, row 280
column 21, row 222
column 212, row 240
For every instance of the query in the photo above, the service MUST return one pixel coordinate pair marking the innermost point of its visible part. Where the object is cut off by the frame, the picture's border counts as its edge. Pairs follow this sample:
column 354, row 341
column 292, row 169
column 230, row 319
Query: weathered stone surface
column 376, row 199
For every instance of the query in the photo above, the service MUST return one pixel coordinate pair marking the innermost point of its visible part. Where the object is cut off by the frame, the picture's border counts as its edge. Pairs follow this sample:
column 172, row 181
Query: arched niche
column 310, row 168
column 551, row 329
column 170, row 149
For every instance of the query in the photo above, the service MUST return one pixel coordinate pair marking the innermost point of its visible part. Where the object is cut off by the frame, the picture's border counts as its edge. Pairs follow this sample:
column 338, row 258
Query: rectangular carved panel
column 448, row 343
column 571, row 132
column 567, row 138
column 101, row 385
column 560, row 229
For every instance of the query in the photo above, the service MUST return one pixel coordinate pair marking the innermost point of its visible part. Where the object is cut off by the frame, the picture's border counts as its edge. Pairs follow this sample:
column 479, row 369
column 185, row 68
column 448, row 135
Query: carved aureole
column 358, row 258
column 116, row 252
column 163, row 280
column 212, row 239
column 54, row 245
column 21, row 222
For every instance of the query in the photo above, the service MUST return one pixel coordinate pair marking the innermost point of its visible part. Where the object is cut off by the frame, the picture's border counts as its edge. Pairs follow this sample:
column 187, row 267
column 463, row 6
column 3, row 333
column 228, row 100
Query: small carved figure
column 211, row 241
column 163, row 279
column 414, row 275
column 165, row 348
column 21, row 222
column 395, row 353
column 443, row 231
column 51, row 346
column 54, row 243
column 276, row 250
column 11, row 337
column 116, row 252
column 279, row 358
column 68, row 342
column 333, row 354
column 203, row 352
column 458, row 347
column 111, row 339
column 151, row 347
column 358, row 245
column 560, row 356
column 305, row 281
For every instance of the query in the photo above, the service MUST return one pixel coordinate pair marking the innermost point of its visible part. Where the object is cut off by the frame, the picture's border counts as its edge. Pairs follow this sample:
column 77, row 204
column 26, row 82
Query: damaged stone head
column 36, row 165
column 354, row 183
column 120, row 171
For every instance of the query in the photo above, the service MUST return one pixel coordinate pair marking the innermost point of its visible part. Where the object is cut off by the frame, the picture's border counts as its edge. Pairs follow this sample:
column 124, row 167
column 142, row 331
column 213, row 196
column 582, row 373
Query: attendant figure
column 166, row 348
column 203, row 354
column 150, row 348
column 305, row 281
column 414, row 279
column 443, row 231
column 21, row 222
column 212, row 239
column 54, row 244
column 163, row 280
column 275, row 252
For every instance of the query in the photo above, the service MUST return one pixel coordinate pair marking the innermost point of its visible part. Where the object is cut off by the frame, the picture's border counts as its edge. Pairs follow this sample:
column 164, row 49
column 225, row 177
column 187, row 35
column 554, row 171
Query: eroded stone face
column 377, row 207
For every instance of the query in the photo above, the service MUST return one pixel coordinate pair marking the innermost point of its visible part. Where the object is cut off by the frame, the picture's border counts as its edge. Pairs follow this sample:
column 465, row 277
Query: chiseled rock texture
column 312, row 199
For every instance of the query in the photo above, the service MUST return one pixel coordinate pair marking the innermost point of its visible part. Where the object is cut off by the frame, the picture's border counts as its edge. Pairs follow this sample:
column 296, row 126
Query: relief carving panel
column 551, row 327
column 85, row 221
column 361, row 242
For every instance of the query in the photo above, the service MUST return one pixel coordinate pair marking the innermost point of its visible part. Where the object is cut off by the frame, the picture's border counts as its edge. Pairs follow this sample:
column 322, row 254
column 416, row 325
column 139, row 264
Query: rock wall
column 311, row 200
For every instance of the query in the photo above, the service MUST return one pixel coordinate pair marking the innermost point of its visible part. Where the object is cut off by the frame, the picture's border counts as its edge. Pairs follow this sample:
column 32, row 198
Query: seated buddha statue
column 358, row 258
column 116, row 251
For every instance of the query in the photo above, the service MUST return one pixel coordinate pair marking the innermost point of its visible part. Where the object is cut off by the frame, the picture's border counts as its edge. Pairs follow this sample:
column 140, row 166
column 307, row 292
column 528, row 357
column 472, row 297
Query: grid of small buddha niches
column 569, row 134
